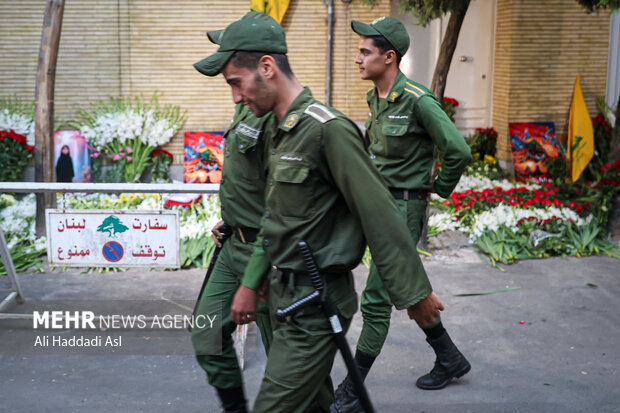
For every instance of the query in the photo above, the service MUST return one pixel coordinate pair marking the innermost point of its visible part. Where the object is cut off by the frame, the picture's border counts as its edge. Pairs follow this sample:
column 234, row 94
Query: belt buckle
column 241, row 237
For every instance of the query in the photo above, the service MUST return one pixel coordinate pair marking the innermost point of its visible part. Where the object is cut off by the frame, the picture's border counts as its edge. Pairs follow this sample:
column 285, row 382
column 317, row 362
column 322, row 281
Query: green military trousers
column 211, row 338
column 303, row 349
column 376, row 306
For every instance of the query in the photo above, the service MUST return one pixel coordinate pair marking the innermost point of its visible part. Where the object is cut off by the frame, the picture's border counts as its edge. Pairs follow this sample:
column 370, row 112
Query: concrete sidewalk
column 564, row 357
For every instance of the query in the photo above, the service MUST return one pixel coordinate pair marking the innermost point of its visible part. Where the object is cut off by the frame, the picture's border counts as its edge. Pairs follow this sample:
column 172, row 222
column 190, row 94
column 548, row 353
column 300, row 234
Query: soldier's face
column 370, row 60
column 249, row 88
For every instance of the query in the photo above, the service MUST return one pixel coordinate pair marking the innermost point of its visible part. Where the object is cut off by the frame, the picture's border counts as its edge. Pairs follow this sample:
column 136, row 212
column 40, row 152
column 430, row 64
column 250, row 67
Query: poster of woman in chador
column 203, row 157
column 71, row 157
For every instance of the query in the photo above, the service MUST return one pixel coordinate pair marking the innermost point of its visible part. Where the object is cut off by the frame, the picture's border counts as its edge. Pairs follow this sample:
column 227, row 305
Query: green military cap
column 390, row 28
column 250, row 34
column 214, row 35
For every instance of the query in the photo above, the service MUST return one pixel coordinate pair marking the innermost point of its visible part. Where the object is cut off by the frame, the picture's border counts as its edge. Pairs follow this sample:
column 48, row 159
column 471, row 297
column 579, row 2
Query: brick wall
column 133, row 47
column 540, row 47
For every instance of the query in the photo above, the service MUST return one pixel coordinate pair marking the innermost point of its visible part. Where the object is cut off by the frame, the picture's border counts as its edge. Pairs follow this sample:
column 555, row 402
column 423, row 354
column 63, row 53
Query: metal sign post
column 10, row 270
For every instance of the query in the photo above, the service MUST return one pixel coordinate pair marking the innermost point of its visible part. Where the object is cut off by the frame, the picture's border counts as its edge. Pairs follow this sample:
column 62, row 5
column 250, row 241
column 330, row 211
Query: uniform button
column 394, row 131
column 227, row 154
column 240, row 146
column 267, row 214
column 266, row 242
column 373, row 156
column 273, row 151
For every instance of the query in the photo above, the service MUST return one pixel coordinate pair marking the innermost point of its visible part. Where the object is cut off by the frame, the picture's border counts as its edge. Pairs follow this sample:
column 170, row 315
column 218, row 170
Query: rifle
column 226, row 232
column 330, row 312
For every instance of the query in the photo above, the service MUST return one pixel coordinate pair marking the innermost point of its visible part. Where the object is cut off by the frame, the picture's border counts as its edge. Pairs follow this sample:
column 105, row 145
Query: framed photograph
column 71, row 157
column 203, row 157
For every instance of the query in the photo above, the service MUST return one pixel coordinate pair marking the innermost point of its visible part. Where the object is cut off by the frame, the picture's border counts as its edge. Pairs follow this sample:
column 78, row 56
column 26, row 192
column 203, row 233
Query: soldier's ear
column 390, row 56
column 267, row 66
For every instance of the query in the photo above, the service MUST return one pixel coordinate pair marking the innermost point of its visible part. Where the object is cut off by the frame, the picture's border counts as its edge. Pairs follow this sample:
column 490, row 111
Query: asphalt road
column 553, row 344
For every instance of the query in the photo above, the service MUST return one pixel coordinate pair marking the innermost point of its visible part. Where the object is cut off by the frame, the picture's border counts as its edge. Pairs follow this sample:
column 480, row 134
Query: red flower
column 451, row 101
column 161, row 152
column 29, row 148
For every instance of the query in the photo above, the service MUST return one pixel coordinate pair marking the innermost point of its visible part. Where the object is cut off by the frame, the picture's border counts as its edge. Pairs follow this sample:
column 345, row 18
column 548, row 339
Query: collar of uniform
column 240, row 112
column 398, row 87
column 296, row 110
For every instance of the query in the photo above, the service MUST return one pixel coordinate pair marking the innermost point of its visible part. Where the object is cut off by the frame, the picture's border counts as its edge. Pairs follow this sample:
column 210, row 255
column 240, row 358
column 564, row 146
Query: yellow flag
column 274, row 8
column 580, row 145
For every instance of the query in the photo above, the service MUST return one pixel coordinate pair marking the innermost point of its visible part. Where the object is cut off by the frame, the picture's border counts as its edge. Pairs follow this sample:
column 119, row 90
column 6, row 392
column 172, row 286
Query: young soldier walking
column 242, row 204
column 405, row 128
column 322, row 188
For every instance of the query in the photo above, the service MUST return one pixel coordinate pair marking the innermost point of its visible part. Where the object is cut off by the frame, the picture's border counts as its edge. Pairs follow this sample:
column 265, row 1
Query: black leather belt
column 407, row 194
column 302, row 278
column 245, row 235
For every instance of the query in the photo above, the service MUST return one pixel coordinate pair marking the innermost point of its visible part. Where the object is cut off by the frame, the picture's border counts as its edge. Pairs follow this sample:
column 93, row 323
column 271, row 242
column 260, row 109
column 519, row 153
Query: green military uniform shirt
column 404, row 131
column 242, row 190
column 322, row 188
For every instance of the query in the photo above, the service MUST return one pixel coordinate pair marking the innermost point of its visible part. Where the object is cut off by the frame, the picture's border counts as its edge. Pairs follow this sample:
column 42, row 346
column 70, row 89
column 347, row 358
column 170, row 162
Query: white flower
column 129, row 125
column 509, row 216
column 19, row 123
column 478, row 182
column 444, row 221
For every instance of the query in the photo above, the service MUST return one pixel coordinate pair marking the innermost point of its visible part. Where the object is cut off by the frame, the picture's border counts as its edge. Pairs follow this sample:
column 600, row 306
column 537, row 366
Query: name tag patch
column 247, row 130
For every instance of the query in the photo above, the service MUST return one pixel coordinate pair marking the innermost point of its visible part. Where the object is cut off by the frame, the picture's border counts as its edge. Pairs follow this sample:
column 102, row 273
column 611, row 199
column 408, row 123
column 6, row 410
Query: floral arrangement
column 161, row 161
column 449, row 106
column 17, row 220
column 16, row 137
column 509, row 221
column 483, row 144
column 124, row 133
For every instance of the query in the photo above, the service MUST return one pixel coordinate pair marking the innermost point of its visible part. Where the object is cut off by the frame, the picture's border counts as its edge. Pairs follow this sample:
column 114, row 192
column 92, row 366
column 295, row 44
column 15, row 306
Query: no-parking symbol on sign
column 113, row 251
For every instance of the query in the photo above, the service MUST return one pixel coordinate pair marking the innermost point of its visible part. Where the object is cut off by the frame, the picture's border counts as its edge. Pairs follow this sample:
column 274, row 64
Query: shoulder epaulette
column 319, row 112
column 414, row 90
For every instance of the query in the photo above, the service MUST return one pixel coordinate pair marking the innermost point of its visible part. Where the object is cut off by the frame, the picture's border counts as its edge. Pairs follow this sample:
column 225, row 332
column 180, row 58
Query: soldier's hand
column 425, row 312
column 243, row 308
column 216, row 234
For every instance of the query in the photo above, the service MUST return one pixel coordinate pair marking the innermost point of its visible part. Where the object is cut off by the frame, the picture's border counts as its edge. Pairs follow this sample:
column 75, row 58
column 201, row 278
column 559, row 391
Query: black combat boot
column 449, row 363
column 345, row 398
column 233, row 400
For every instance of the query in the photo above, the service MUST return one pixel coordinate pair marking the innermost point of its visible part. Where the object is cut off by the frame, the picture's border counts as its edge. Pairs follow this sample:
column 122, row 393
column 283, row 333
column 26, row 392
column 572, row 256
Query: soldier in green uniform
column 242, row 204
column 321, row 188
column 405, row 128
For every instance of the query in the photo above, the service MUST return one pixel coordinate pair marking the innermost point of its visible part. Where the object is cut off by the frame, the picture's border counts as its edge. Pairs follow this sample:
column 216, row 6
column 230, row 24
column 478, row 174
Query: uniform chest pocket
column 242, row 154
column 293, row 194
column 395, row 135
column 245, row 144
